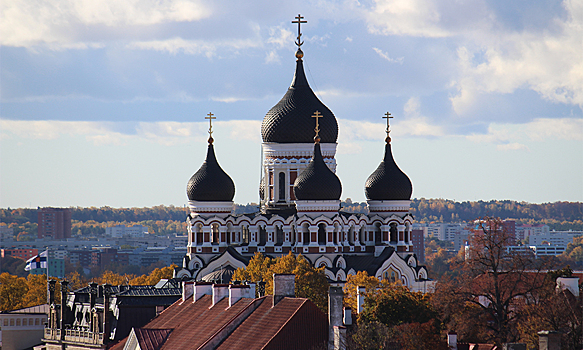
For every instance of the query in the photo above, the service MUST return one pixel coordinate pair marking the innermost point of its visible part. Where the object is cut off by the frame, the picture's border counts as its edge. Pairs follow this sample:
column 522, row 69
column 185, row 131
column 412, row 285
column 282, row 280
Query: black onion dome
column 210, row 183
column 388, row 182
column 317, row 181
column 290, row 120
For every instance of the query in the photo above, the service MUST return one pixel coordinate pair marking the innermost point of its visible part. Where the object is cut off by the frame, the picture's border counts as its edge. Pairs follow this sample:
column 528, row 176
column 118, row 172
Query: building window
column 12, row 322
column 282, row 187
column 6, row 322
column 24, row 322
column 17, row 322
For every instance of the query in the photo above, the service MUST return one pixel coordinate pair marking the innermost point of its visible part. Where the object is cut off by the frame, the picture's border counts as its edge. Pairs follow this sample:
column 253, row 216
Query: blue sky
column 103, row 102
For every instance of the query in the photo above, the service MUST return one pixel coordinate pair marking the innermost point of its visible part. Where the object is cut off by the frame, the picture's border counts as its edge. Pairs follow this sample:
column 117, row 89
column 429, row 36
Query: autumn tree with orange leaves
column 485, row 302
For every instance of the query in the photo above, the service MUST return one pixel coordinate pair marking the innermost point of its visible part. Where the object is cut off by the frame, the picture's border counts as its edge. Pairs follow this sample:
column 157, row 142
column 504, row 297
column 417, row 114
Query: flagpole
column 48, row 275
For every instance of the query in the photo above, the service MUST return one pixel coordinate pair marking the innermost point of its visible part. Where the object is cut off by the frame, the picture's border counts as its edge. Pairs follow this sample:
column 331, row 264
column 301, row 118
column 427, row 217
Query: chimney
column 360, row 298
column 51, row 291
column 335, row 314
column 92, row 293
column 239, row 291
column 283, row 286
column 202, row 288
column 219, row 292
column 347, row 316
column 452, row 340
column 106, row 321
column 549, row 340
column 187, row 290
column 339, row 342
column 64, row 290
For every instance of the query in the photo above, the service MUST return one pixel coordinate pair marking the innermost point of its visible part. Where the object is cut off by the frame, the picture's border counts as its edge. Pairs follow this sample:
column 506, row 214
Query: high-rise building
column 54, row 223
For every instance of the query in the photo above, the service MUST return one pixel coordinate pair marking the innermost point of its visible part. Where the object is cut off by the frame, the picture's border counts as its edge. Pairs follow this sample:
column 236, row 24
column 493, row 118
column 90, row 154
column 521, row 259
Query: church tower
column 288, row 138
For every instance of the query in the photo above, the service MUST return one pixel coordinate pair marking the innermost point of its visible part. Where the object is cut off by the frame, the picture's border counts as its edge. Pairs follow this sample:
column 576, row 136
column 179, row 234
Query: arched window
column 199, row 235
column 377, row 233
column 282, row 187
column 262, row 235
column 393, row 232
column 245, row 230
column 279, row 235
column 215, row 233
column 306, row 234
column 322, row 234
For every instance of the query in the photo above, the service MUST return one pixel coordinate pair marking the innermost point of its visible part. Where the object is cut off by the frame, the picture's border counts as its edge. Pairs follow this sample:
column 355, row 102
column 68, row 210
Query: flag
column 37, row 262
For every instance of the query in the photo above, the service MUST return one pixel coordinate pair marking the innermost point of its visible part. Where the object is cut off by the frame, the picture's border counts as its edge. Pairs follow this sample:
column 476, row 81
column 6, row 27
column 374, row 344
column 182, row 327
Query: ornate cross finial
column 317, row 115
column 210, row 119
column 299, row 22
column 388, row 130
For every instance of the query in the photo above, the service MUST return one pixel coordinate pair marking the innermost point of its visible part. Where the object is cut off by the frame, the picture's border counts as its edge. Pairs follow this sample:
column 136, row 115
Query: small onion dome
column 317, row 181
column 210, row 183
column 388, row 182
column 290, row 120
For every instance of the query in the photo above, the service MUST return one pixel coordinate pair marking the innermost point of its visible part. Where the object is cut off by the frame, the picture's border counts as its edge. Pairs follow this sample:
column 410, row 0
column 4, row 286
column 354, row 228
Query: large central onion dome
column 290, row 120
column 210, row 183
column 388, row 182
column 317, row 181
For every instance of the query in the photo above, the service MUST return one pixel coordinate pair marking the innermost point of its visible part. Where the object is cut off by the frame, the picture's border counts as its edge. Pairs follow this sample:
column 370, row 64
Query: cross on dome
column 299, row 22
column 388, row 130
column 210, row 119
column 317, row 115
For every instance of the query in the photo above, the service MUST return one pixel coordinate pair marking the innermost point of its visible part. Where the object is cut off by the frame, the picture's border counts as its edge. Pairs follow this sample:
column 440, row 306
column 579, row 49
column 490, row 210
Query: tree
column 310, row 282
column 361, row 279
column 12, row 292
column 492, row 287
column 37, row 290
column 394, row 305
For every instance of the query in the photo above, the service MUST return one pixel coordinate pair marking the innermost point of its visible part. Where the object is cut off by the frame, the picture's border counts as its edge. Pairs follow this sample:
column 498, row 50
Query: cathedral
column 300, row 203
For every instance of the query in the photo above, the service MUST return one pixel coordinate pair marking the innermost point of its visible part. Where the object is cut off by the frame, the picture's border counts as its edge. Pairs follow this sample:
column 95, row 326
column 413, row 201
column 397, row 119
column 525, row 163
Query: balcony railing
column 73, row 335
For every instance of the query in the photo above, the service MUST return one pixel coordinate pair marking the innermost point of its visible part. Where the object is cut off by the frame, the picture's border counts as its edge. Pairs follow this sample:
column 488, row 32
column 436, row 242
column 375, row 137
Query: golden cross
column 299, row 22
column 387, row 117
column 317, row 115
column 210, row 119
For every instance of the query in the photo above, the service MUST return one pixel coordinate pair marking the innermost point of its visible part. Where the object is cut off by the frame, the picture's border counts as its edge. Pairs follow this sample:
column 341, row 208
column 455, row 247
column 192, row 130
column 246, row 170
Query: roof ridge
column 287, row 321
column 255, row 303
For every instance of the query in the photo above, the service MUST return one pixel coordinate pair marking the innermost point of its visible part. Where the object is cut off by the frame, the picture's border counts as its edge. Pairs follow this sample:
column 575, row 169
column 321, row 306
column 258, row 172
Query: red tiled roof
column 293, row 323
column 151, row 339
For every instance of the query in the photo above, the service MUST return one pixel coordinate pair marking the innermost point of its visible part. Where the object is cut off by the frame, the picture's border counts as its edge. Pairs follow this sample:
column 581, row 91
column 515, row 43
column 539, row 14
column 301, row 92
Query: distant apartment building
column 554, row 238
column 102, row 257
column 54, row 223
column 418, row 241
column 124, row 231
column 538, row 250
column 525, row 231
column 6, row 233
column 81, row 257
column 23, row 253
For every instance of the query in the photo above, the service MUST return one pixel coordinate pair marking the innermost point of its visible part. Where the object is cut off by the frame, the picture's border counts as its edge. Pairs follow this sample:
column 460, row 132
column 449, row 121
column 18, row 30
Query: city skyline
column 103, row 103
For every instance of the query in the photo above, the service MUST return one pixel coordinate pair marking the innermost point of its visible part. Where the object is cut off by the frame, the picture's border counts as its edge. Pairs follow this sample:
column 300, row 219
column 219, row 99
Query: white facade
column 122, row 230
column 554, row 238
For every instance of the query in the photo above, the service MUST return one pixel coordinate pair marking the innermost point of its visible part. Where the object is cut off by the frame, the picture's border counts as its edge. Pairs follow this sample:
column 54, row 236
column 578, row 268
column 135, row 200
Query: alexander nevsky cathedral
column 300, row 203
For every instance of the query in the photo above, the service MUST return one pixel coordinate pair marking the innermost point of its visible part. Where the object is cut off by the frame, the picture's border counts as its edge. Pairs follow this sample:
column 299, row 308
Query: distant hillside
column 558, row 215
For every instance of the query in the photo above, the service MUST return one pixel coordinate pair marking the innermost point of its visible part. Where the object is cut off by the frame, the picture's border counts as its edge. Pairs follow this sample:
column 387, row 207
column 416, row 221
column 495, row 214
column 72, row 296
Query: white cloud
column 61, row 22
column 280, row 37
column 387, row 57
column 416, row 124
column 406, row 17
column 104, row 133
column 507, row 136
column 512, row 147
column 193, row 47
